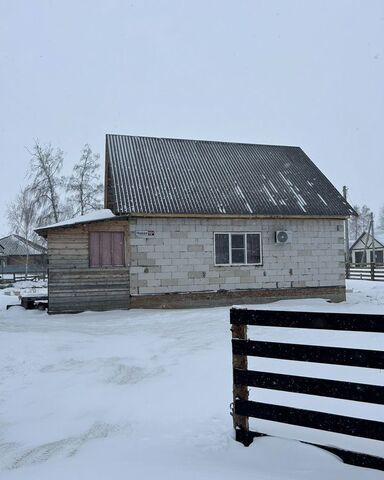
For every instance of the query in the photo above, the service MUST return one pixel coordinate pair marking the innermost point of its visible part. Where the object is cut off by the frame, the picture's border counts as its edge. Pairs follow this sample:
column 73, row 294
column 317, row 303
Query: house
column 16, row 252
column 361, row 251
column 2, row 261
column 196, row 223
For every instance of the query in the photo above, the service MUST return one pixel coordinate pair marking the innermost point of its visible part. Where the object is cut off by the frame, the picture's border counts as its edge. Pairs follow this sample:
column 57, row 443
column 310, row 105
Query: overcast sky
column 307, row 73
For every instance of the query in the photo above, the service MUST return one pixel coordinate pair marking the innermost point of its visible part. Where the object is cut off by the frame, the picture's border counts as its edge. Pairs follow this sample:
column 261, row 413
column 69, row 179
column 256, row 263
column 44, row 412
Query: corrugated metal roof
column 175, row 176
column 16, row 245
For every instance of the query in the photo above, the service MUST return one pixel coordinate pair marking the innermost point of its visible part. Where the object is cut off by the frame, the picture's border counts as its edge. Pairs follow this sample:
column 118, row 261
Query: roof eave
column 43, row 231
column 234, row 216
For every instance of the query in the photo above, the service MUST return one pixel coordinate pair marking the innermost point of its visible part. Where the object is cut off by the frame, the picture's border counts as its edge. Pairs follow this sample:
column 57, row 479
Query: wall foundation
column 227, row 298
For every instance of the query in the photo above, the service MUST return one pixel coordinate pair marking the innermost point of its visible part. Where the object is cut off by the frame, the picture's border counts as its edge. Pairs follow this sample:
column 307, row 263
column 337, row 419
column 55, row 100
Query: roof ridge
column 226, row 142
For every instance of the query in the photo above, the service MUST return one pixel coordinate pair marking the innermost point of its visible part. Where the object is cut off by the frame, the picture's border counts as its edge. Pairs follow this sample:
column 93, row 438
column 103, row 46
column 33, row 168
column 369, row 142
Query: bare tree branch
column 359, row 224
column 22, row 216
column 45, row 168
column 84, row 185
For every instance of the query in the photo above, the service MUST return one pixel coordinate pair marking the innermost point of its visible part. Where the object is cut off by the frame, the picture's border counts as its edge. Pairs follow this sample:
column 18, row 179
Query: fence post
column 240, row 392
column 373, row 271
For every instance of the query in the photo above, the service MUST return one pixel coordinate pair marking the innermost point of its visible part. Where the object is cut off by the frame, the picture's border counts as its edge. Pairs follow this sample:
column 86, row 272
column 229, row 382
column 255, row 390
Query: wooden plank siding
column 73, row 286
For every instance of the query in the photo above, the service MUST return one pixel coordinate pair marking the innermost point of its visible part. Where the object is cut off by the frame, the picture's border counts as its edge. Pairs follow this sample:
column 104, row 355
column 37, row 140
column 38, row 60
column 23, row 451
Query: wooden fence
column 365, row 271
column 243, row 378
column 18, row 271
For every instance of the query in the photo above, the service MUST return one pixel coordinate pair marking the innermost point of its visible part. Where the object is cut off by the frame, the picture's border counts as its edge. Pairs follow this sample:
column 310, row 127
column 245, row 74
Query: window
column 378, row 255
column 238, row 249
column 106, row 249
column 359, row 257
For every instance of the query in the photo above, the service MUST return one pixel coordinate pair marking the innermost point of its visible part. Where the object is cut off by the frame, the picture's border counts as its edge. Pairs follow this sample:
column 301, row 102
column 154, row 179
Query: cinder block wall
column 179, row 257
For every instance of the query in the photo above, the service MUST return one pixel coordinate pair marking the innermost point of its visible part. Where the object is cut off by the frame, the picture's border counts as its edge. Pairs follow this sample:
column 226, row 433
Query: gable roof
column 147, row 175
column 366, row 241
column 17, row 245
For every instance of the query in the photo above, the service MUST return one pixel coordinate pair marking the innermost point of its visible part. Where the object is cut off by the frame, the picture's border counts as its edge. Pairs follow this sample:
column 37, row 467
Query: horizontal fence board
column 329, row 422
column 311, row 386
column 310, row 353
column 365, row 271
column 313, row 320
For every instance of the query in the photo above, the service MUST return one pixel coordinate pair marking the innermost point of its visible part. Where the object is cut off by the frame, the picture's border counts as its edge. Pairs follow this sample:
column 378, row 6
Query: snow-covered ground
column 146, row 394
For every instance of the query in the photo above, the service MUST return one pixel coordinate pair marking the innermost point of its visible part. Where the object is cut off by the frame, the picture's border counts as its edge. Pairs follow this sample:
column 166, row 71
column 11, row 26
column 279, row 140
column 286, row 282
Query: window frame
column 230, row 264
column 378, row 252
column 111, row 232
column 356, row 253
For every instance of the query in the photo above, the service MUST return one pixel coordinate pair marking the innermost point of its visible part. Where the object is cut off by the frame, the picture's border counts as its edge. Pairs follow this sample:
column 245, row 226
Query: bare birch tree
column 359, row 224
column 22, row 216
column 84, row 186
column 381, row 218
column 45, row 168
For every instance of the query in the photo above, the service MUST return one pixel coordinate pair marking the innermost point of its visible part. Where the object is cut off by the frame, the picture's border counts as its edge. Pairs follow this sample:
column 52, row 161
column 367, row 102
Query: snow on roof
column 17, row 245
column 94, row 216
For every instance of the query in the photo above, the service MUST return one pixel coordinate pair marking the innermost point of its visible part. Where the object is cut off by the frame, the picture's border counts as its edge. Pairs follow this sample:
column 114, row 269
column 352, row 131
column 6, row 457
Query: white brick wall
column 179, row 258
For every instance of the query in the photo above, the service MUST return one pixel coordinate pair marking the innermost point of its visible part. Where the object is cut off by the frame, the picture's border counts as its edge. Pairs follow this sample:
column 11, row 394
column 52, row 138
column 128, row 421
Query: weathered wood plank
column 313, row 320
column 85, row 301
column 358, row 392
column 352, row 357
column 89, row 284
column 94, row 295
column 87, row 273
column 329, row 422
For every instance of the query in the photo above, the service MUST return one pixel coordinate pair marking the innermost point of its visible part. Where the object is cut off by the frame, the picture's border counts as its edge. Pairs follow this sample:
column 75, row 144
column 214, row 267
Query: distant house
column 361, row 250
column 2, row 261
column 199, row 223
column 15, row 250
